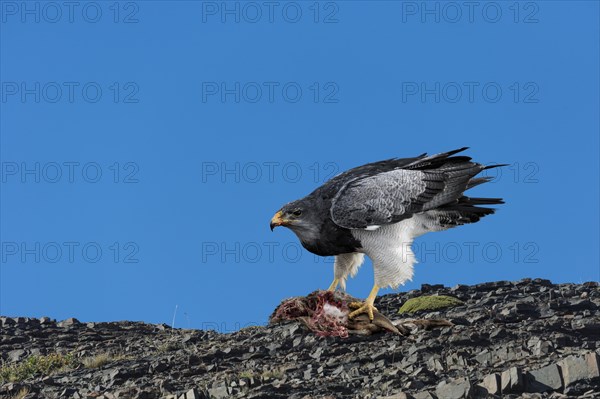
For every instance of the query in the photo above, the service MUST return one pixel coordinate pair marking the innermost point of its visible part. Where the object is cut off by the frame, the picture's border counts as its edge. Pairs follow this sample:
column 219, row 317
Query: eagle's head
column 300, row 217
column 292, row 215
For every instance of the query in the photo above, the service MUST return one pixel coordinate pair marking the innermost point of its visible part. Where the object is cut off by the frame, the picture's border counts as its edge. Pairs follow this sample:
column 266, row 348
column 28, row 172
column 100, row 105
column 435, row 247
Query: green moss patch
column 429, row 303
column 35, row 366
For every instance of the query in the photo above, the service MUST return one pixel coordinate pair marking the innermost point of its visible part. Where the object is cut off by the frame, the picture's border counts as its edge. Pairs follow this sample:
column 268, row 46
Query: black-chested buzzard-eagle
column 379, row 208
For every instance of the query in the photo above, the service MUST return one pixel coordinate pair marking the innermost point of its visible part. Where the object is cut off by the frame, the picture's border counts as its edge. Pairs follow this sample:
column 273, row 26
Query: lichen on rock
column 429, row 303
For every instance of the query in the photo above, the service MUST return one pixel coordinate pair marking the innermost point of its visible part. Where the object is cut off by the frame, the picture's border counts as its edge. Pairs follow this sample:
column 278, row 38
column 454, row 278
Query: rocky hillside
column 528, row 339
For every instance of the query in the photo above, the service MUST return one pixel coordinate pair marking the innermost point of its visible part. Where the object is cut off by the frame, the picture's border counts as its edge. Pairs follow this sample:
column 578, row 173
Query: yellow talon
column 362, row 308
column 366, row 307
column 333, row 285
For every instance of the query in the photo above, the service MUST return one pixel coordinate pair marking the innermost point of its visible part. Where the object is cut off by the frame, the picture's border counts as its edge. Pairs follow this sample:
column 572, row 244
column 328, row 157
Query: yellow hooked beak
column 278, row 221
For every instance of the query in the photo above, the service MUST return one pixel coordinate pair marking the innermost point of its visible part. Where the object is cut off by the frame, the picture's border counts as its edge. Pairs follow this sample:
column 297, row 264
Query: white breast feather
column 389, row 247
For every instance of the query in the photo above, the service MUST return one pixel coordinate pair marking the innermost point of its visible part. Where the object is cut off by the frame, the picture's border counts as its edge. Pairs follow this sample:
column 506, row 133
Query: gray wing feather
column 383, row 198
column 391, row 196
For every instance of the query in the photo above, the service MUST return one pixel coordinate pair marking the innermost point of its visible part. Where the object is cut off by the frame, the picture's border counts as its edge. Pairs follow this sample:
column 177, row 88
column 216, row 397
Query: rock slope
column 529, row 338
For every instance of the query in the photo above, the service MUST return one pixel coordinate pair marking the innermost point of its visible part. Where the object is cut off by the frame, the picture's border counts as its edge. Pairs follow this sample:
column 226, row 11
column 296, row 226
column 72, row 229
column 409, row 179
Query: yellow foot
column 361, row 308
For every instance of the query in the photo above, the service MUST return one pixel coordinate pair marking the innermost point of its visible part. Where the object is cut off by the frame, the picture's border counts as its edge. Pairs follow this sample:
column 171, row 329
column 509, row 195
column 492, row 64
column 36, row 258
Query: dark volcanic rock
column 545, row 379
column 529, row 339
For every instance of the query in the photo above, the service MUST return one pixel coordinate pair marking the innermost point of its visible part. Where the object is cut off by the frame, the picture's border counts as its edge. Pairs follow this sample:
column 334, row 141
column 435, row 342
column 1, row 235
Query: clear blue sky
column 146, row 146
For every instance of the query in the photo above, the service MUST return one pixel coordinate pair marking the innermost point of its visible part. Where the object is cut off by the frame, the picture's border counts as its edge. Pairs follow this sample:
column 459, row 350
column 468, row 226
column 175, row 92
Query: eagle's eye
column 297, row 212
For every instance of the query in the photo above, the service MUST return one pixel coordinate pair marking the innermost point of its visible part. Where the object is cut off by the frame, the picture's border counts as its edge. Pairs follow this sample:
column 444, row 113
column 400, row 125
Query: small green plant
column 169, row 347
column 271, row 374
column 431, row 302
column 94, row 362
column 265, row 375
column 99, row 360
column 21, row 394
column 34, row 366
column 247, row 374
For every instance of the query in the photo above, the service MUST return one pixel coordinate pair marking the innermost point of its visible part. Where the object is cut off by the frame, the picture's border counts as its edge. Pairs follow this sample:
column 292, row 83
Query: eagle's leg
column 333, row 285
column 367, row 306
